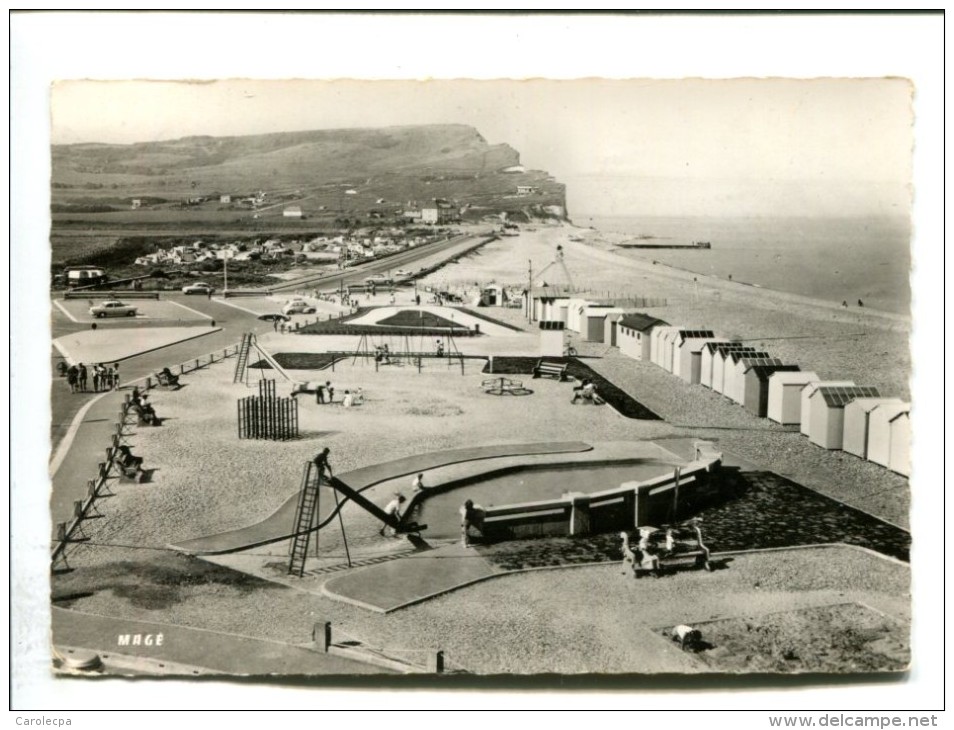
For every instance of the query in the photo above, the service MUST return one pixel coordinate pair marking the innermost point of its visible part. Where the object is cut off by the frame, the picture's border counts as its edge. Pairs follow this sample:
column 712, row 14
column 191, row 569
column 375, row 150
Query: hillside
column 343, row 171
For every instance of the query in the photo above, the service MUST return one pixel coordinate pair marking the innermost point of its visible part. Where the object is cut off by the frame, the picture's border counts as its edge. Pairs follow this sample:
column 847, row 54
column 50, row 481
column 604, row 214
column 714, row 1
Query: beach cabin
column 634, row 335
column 551, row 338
column 550, row 308
column 669, row 341
column 722, row 360
column 785, row 395
column 574, row 313
column 827, row 421
column 592, row 321
column 806, row 394
column 657, row 345
column 857, row 422
column 889, row 437
column 755, row 386
column 687, row 354
column 735, row 367
column 493, row 295
column 705, row 363
column 611, row 324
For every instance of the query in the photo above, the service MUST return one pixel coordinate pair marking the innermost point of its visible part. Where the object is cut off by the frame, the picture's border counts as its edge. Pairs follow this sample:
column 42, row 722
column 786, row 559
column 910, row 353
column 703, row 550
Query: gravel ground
column 549, row 621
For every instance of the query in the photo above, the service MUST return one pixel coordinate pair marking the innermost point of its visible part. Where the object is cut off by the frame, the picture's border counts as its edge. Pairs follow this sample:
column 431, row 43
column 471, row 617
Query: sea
column 838, row 259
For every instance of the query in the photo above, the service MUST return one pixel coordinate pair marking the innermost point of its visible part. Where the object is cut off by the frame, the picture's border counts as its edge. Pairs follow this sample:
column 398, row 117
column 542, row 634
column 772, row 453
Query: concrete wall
column 666, row 498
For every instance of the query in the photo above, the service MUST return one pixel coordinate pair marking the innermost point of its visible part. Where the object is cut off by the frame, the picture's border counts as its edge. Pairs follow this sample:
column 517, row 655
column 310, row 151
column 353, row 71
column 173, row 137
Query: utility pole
column 530, row 292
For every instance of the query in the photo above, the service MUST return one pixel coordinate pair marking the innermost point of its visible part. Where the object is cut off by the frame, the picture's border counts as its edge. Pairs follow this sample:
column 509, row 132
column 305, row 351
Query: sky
column 637, row 146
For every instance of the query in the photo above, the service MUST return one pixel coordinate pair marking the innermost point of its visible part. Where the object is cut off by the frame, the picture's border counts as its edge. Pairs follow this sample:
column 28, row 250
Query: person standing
column 418, row 483
column 83, row 377
column 115, row 376
column 471, row 515
column 72, row 374
column 96, row 378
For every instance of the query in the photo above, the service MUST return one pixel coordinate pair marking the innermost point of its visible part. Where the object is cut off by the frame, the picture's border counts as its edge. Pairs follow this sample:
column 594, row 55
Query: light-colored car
column 113, row 309
column 378, row 280
column 402, row 274
column 298, row 307
column 198, row 287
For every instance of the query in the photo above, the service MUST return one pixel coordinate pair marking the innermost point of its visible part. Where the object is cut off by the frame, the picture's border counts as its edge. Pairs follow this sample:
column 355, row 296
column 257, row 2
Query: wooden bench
column 550, row 369
column 130, row 466
column 671, row 549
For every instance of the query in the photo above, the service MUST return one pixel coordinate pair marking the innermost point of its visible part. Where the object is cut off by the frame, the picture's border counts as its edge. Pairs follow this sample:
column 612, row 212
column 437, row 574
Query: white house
column 292, row 211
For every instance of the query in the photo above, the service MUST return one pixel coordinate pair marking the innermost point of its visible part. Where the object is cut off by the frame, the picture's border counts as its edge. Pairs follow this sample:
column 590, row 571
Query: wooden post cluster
column 265, row 416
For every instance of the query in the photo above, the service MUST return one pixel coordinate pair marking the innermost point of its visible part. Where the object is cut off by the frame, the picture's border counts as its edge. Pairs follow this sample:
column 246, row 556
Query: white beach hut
column 889, row 434
column 721, row 360
column 827, row 425
column 669, row 342
column 658, row 343
column 755, row 385
column 687, row 354
column 785, row 395
column 857, row 422
column 574, row 313
column 705, row 363
column 634, row 335
column 807, row 392
column 735, row 367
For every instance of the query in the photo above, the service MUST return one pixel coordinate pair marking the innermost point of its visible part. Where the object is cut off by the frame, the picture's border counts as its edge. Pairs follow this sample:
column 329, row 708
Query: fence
column 106, row 293
column 66, row 531
column 265, row 416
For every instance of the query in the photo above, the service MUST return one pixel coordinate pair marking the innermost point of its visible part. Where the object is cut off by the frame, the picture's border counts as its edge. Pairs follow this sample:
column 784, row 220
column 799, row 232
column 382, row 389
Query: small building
column 493, row 296
column 827, row 425
column 292, row 211
column 526, row 190
column 721, row 360
column 687, row 354
column 551, row 338
column 889, row 437
column 755, row 386
column 593, row 320
column 634, row 335
column 574, row 313
column 550, row 307
column 225, row 199
column 706, row 358
column 857, row 423
column 136, row 203
column 735, row 367
column 807, row 392
column 785, row 395
column 657, row 343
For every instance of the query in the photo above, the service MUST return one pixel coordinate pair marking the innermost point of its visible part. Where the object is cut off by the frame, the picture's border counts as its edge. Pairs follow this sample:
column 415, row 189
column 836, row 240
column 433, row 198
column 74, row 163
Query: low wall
column 106, row 293
column 664, row 499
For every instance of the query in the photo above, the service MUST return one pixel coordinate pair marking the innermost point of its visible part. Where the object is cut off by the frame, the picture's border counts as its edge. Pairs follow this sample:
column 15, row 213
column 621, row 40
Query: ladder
column 242, row 361
column 304, row 518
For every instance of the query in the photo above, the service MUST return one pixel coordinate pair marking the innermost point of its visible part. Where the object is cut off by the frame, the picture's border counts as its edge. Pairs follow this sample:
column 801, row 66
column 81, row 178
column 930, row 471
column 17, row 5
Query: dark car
column 274, row 318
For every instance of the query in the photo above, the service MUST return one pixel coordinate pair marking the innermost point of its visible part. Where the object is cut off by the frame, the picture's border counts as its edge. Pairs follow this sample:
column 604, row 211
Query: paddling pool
column 440, row 509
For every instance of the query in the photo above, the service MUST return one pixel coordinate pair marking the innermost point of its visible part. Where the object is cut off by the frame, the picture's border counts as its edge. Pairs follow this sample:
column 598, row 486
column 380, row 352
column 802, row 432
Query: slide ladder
column 304, row 518
column 243, row 357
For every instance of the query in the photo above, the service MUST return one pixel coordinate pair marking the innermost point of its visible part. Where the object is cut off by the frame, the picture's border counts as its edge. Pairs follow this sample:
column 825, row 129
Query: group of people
column 104, row 377
column 353, row 399
column 586, row 391
column 382, row 354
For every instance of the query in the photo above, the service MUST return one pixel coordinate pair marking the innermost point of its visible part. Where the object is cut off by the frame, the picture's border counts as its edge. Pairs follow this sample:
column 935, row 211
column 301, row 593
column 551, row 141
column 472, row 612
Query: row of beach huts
column 834, row 414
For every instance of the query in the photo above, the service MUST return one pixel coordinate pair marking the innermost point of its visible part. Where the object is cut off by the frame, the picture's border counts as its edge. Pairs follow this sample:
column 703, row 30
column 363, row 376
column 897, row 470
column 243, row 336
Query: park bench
column 550, row 369
column 145, row 416
column 129, row 465
column 671, row 549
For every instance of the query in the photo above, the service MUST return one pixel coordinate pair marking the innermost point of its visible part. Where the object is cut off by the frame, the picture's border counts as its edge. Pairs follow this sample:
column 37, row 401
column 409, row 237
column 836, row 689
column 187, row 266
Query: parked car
column 378, row 280
column 298, row 307
column 274, row 317
column 198, row 287
column 113, row 309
